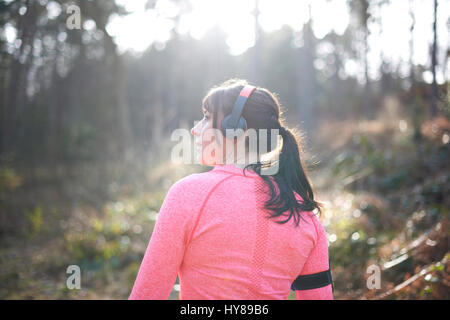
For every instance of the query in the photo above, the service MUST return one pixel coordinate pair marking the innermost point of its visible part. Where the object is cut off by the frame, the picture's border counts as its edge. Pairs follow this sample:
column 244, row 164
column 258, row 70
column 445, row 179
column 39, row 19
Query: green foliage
column 394, row 180
column 36, row 220
column 9, row 179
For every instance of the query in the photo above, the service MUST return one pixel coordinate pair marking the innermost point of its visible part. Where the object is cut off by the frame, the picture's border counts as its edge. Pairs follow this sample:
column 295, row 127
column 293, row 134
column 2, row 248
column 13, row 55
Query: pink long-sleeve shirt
column 213, row 233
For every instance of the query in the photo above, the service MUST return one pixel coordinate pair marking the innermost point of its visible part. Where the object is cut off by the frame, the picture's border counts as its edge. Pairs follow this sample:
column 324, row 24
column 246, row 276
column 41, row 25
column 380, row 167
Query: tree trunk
column 415, row 105
column 307, row 82
column 434, row 87
column 256, row 63
column 368, row 112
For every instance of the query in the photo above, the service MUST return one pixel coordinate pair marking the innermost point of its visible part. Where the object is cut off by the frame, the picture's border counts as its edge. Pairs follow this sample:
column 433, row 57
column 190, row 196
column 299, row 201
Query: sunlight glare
column 275, row 14
column 138, row 30
column 329, row 16
column 236, row 18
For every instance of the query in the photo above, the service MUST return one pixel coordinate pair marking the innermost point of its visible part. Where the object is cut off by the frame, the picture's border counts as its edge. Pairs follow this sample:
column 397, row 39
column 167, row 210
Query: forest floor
column 386, row 201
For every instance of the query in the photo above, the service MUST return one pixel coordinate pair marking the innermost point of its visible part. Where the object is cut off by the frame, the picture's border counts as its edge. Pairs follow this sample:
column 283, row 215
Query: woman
column 234, row 232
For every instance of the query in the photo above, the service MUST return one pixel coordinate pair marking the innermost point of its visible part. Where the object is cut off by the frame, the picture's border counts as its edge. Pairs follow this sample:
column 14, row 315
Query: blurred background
column 88, row 105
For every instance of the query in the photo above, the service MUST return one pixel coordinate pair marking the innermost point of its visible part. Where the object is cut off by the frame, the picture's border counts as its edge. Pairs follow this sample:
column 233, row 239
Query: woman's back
column 213, row 231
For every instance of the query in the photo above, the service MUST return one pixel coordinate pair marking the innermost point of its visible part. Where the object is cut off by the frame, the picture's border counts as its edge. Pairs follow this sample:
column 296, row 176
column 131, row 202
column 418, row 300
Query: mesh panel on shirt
column 261, row 236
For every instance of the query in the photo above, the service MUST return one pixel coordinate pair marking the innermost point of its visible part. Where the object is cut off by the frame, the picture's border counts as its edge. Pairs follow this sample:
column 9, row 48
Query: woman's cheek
column 208, row 154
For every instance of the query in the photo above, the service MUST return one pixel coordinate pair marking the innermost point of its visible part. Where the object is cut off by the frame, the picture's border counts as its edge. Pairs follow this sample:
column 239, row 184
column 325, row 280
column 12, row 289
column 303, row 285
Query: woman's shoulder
column 195, row 183
column 188, row 193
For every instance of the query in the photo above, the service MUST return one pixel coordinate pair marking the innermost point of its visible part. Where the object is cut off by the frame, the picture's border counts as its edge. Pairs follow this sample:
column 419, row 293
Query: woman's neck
column 243, row 161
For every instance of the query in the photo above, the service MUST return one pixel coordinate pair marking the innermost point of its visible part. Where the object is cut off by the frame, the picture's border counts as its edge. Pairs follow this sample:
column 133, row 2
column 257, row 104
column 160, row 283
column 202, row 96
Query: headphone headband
column 239, row 104
column 247, row 91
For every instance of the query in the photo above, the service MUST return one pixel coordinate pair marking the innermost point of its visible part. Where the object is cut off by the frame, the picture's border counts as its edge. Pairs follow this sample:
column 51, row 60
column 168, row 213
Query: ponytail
column 290, row 178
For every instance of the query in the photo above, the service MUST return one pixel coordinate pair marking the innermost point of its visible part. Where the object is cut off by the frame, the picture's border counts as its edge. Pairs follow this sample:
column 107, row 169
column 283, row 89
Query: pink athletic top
column 212, row 231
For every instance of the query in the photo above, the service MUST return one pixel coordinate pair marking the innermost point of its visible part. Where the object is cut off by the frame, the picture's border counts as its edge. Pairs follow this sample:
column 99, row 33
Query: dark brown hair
column 263, row 111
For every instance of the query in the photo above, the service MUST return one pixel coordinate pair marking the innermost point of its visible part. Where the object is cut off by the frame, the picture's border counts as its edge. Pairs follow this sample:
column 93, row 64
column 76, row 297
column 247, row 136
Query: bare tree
column 434, row 87
column 255, row 64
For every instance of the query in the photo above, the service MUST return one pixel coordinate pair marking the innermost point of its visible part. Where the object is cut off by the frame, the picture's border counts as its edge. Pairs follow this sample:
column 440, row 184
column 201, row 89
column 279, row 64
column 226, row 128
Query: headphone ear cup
column 242, row 124
column 226, row 125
